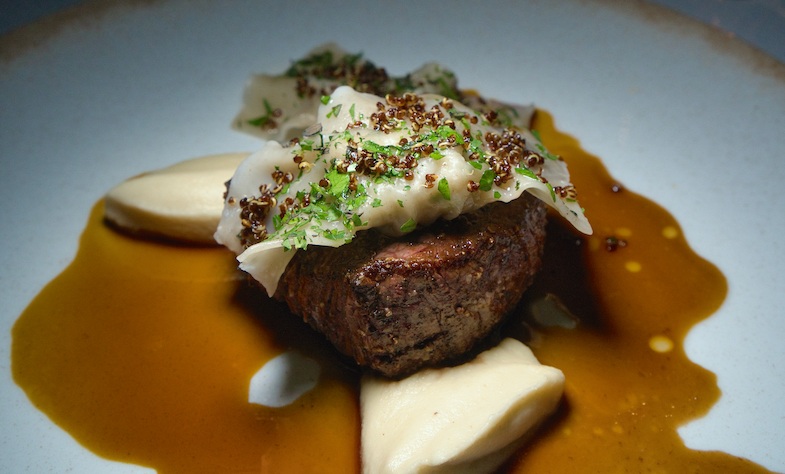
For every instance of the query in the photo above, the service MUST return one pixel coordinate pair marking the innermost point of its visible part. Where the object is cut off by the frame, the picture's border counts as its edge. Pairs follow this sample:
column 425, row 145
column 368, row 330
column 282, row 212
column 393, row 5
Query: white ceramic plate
column 685, row 115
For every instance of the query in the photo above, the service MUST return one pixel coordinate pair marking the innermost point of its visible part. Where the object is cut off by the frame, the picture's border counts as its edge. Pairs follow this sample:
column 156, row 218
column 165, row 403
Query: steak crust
column 396, row 305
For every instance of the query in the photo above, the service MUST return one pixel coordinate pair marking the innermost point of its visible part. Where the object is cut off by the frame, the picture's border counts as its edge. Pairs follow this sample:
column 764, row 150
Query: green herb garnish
column 526, row 172
column 486, row 181
column 265, row 119
column 334, row 111
column 339, row 182
column 444, row 188
column 409, row 225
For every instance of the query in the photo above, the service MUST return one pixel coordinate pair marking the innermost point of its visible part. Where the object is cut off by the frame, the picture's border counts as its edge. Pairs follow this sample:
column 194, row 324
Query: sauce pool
column 143, row 351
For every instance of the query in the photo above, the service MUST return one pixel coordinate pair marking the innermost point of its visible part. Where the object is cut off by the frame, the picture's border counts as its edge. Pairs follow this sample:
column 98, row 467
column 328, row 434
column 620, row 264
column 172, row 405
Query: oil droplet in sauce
column 143, row 351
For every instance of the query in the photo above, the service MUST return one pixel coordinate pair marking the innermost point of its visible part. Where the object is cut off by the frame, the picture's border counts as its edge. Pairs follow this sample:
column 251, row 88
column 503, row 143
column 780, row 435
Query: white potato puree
column 181, row 202
column 464, row 419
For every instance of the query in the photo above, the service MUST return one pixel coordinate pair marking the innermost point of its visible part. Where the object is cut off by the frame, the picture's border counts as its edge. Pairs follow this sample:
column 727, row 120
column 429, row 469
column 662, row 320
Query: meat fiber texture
column 396, row 305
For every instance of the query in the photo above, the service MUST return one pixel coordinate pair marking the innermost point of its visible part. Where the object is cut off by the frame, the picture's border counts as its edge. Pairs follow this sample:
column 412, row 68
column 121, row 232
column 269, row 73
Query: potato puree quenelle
column 177, row 202
column 463, row 419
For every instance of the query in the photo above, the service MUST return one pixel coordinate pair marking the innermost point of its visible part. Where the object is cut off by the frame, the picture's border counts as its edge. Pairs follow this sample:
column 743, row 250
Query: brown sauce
column 143, row 351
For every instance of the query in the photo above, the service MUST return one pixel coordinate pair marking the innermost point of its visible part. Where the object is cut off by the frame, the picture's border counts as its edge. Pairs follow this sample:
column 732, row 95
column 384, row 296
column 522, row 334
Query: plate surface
column 680, row 112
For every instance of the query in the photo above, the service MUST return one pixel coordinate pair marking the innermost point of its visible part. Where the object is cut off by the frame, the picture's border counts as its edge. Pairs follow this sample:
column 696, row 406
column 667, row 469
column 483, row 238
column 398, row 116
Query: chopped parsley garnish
column 526, row 172
column 408, row 226
column 334, row 111
column 339, row 182
column 311, row 64
column 446, row 82
column 553, row 191
column 294, row 239
column 334, row 234
column 403, row 84
column 373, row 147
column 266, row 120
column 444, row 188
column 364, row 154
column 536, row 134
column 486, row 181
column 306, row 145
column 544, row 152
column 507, row 116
